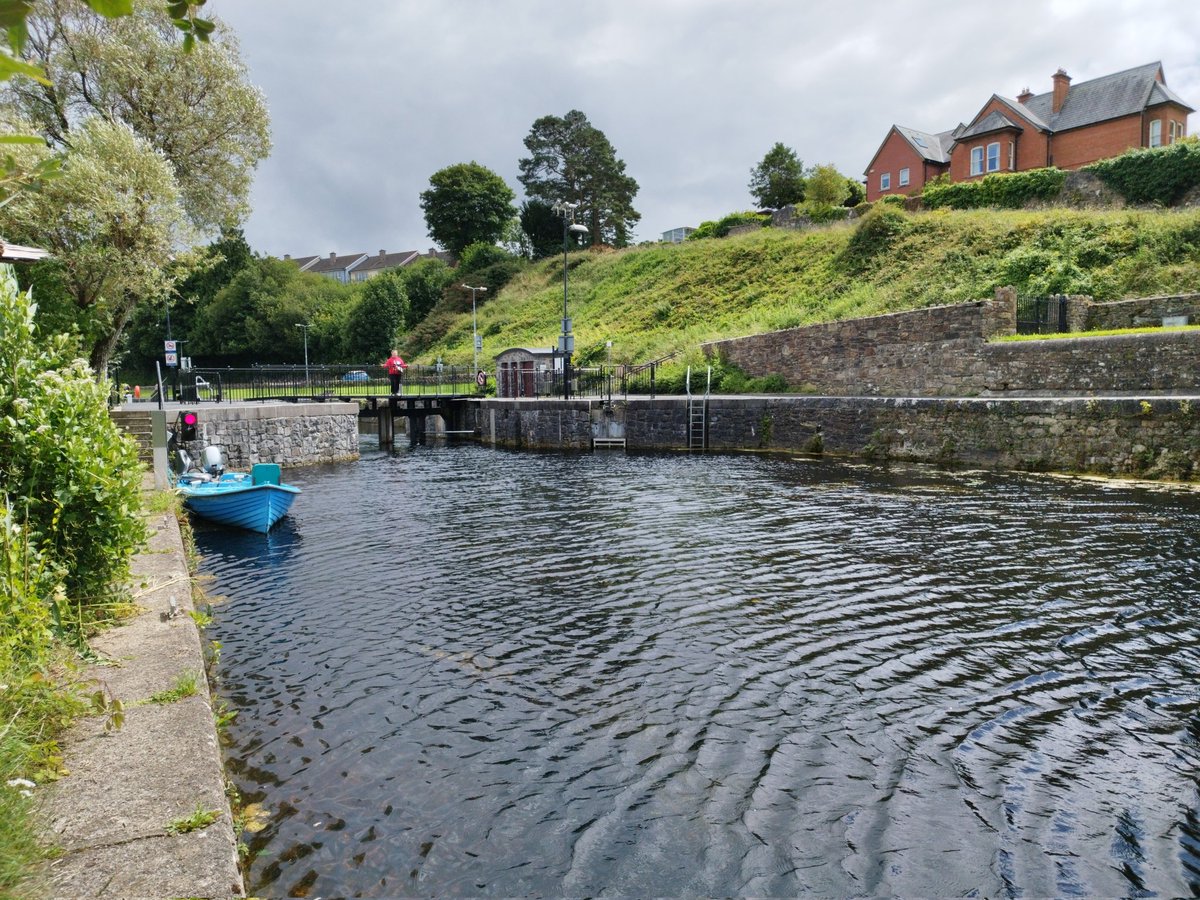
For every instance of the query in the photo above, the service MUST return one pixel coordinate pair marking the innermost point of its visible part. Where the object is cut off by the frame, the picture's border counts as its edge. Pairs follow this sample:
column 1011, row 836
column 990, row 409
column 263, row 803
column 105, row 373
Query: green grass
column 185, row 686
column 1106, row 332
column 651, row 301
column 200, row 818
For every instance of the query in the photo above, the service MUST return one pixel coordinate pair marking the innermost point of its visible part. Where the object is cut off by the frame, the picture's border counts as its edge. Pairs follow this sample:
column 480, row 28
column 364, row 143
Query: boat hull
column 252, row 506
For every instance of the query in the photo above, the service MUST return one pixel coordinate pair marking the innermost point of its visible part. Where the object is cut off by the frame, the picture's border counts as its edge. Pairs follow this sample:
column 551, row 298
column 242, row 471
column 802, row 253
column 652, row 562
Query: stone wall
column 1154, row 438
column 291, row 434
column 1142, row 311
column 945, row 351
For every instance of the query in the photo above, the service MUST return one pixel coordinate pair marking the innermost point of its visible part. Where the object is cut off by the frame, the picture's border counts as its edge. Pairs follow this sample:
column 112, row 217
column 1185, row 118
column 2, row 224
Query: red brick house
column 1068, row 127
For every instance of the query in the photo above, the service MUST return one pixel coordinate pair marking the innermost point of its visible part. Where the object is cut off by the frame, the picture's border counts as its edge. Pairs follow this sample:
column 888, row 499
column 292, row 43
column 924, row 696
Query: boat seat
column 265, row 473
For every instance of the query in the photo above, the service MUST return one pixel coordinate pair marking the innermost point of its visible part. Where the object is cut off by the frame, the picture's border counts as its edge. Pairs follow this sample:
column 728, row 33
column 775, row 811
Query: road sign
column 481, row 378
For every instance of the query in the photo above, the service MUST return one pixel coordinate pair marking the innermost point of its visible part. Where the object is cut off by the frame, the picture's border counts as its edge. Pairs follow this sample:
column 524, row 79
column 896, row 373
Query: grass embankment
column 651, row 301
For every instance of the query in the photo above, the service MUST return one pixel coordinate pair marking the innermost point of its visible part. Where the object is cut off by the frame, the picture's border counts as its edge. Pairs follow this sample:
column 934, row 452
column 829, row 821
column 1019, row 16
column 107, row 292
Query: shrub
column 721, row 227
column 875, row 233
column 1158, row 175
column 70, row 475
column 479, row 256
column 1004, row 190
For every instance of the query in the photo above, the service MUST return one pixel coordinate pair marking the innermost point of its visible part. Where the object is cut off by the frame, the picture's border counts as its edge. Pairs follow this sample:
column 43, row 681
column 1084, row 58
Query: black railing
column 1041, row 315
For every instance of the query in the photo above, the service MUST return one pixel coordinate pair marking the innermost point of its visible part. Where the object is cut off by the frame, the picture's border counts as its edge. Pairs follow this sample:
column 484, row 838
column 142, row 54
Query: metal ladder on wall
column 698, row 413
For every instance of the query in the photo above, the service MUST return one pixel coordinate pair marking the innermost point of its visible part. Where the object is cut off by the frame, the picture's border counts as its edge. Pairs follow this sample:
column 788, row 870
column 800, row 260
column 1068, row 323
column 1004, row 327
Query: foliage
column 1156, row 175
column 1101, row 332
column 1002, row 190
column 877, row 231
column 466, row 204
column 198, row 819
column 72, row 477
column 29, row 582
column 543, row 227
column 196, row 109
column 826, row 187
column 571, row 160
column 374, row 321
column 425, row 281
column 721, row 227
column 185, row 686
column 113, row 220
column 856, row 192
column 479, row 256
column 778, row 179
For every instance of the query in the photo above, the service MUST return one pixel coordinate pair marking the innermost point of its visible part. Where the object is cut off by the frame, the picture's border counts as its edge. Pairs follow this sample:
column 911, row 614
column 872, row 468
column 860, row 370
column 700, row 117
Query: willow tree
column 195, row 110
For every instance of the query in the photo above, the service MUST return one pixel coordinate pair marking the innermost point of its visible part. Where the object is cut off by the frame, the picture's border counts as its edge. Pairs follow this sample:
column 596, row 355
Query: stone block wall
column 945, row 351
column 291, row 434
column 1142, row 311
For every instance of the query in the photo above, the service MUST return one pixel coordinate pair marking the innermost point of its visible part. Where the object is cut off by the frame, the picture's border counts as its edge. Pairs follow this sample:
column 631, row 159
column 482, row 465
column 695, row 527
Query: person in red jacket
column 395, row 368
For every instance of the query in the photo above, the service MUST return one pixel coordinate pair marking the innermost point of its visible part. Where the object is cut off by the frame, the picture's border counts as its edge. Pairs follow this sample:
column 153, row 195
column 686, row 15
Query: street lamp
column 474, row 330
column 566, row 343
column 305, row 327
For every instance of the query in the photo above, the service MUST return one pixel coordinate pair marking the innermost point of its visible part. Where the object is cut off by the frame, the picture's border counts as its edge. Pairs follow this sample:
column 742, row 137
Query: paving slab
column 109, row 817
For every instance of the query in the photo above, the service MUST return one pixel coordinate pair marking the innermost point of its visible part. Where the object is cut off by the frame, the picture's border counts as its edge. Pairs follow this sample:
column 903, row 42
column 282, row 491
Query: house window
column 904, row 176
column 1156, row 133
column 1012, row 156
column 993, row 157
column 885, row 181
column 976, row 160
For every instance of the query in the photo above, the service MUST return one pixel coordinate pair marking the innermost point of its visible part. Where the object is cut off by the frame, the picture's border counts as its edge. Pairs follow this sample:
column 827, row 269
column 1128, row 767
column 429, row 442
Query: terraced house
column 1068, row 126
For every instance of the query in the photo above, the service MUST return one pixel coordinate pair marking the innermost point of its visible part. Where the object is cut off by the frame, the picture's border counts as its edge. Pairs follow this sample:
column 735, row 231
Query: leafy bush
column 721, row 227
column 70, row 475
column 1005, row 190
column 1157, row 175
column 479, row 256
column 28, row 585
column 875, row 233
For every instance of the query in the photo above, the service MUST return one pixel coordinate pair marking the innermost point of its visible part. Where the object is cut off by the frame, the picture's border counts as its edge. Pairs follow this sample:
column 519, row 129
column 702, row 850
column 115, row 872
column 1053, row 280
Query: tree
column 113, row 220
column 381, row 311
column 194, row 112
column 543, row 227
column 465, row 204
column 779, row 179
column 827, row 187
column 571, row 160
column 424, row 281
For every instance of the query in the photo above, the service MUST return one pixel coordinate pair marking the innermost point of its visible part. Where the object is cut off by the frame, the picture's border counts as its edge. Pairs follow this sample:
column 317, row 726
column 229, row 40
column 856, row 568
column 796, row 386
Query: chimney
column 1024, row 96
column 383, row 253
column 333, row 256
column 1062, row 82
column 287, row 256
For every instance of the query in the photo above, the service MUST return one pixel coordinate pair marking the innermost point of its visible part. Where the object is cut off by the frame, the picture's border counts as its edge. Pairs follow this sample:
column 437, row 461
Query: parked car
column 356, row 375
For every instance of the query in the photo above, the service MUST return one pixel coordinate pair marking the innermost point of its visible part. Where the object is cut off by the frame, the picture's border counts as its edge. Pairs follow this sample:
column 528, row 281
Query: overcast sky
column 368, row 98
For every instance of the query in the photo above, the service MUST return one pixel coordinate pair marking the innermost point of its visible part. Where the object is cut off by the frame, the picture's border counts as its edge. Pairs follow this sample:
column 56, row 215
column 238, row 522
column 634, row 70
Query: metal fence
column 1041, row 315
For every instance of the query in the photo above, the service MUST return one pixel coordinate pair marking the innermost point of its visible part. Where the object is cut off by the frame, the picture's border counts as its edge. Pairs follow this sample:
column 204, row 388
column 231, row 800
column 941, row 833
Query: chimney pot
column 1024, row 96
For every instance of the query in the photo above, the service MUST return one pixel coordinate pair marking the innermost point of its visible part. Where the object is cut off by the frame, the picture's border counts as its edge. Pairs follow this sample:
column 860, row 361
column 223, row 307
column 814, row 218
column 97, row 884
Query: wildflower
column 21, row 783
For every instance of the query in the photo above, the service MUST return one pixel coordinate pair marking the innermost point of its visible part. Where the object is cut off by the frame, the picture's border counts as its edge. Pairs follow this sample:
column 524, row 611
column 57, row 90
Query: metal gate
column 1041, row 315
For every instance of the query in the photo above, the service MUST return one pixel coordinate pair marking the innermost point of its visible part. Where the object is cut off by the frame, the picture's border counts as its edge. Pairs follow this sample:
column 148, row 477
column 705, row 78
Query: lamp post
column 474, row 329
column 305, row 327
column 566, row 343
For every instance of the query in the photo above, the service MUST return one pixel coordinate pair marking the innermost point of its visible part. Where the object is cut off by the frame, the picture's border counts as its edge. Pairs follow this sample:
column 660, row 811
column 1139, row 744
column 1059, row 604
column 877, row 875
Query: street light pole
column 566, row 343
column 305, row 327
column 474, row 329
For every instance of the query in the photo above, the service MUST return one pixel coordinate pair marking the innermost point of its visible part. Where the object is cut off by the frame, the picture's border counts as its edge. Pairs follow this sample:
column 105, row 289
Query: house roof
column 1108, row 97
column 384, row 260
column 993, row 121
column 933, row 147
column 302, row 261
column 335, row 263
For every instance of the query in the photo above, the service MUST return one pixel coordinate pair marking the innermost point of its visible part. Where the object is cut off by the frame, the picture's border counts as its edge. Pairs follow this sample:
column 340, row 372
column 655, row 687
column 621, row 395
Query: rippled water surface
column 464, row 672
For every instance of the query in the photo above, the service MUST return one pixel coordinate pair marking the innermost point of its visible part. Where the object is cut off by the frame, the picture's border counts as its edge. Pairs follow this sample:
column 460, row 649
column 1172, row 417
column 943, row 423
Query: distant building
column 1068, row 127
column 354, row 267
column 677, row 235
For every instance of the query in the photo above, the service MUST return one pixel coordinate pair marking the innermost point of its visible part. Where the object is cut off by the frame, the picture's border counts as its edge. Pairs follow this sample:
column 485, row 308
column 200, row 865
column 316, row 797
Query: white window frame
column 976, row 160
column 993, row 156
column 1156, row 132
column 885, row 181
column 904, row 177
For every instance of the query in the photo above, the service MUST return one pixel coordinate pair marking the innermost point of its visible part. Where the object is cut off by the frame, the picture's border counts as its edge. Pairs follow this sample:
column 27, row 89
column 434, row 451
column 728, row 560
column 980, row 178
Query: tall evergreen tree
column 779, row 179
column 543, row 228
column 572, row 160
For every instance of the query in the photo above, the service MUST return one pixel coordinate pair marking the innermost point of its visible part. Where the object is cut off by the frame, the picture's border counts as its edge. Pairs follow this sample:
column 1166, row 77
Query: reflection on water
column 466, row 672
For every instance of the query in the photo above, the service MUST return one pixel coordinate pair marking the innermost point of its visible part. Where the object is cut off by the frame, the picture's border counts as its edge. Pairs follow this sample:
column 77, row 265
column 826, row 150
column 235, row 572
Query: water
column 469, row 672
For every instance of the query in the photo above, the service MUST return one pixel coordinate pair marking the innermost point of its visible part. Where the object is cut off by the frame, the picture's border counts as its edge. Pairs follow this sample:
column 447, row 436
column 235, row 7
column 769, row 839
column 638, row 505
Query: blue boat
column 255, row 500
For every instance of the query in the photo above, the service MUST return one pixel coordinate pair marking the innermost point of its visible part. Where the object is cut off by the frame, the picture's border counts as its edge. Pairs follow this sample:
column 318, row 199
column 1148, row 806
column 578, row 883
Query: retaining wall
column 947, row 351
column 291, row 434
column 1150, row 437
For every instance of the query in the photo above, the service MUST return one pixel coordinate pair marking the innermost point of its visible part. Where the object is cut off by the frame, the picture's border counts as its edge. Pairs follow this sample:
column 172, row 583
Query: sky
column 368, row 98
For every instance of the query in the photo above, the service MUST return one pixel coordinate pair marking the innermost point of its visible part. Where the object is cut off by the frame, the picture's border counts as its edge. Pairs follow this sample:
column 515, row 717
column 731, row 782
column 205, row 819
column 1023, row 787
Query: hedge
column 1004, row 190
column 1157, row 175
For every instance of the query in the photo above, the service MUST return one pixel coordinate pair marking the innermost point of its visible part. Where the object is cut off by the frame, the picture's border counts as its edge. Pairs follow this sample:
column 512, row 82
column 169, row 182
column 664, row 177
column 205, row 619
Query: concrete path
column 110, row 815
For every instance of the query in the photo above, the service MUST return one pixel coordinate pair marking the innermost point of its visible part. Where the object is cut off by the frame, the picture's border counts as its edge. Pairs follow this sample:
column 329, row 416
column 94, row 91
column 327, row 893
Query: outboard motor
column 214, row 462
column 183, row 461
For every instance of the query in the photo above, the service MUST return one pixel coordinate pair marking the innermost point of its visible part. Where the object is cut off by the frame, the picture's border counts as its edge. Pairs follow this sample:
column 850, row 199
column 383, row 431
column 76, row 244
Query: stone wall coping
column 246, row 412
column 1142, row 337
